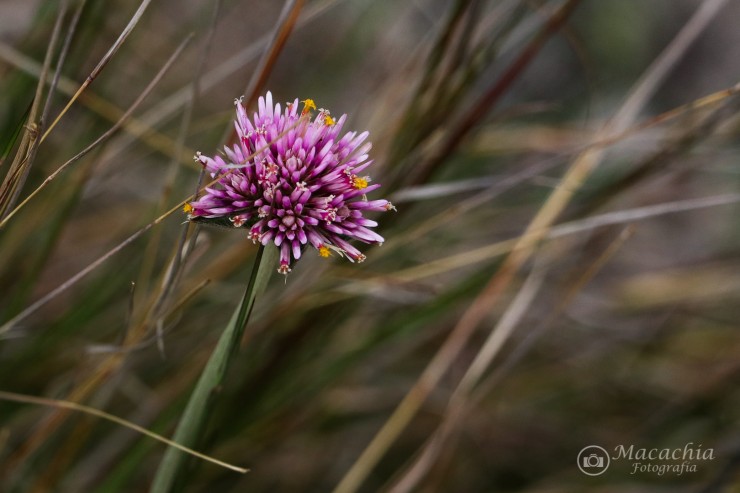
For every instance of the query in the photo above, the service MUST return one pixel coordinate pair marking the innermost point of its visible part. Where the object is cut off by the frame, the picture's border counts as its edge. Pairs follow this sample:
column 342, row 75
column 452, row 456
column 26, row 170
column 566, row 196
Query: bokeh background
column 622, row 329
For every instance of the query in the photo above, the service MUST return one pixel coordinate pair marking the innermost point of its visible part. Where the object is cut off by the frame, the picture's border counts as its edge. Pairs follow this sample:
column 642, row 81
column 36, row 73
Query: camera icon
column 593, row 460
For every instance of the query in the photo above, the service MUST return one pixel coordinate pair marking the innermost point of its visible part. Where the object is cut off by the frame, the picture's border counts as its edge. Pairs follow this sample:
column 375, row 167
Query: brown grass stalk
column 489, row 99
column 135, row 127
column 102, row 63
column 461, row 400
column 20, row 167
column 150, row 251
column 284, row 26
column 73, row 406
column 39, row 436
column 107, row 135
column 523, row 250
column 108, row 367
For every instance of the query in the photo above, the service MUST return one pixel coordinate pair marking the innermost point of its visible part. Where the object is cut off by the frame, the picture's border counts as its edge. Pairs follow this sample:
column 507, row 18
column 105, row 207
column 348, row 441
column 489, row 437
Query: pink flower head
column 293, row 182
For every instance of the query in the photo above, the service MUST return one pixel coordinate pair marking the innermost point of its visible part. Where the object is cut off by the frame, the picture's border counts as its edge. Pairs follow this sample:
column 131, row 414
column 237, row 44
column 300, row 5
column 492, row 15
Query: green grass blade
column 14, row 136
column 196, row 413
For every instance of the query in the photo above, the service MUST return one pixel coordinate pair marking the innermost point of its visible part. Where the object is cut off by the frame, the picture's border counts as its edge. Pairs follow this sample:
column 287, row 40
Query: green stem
column 196, row 413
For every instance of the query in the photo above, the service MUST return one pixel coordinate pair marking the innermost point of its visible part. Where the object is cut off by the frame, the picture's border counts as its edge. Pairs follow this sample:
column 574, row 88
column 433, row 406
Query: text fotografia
column 594, row 460
column 643, row 458
column 661, row 469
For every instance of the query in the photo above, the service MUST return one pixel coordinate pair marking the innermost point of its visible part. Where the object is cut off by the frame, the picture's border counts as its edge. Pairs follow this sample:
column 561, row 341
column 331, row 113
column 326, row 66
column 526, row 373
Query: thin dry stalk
column 501, row 332
column 284, row 26
column 488, row 252
column 102, row 63
column 523, row 250
column 494, row 94
column 54, row 82
column 130, row 346
column 74, row 279
column 135, row 127
column 170, row 105
column 62, row 58
column 708, row 100
column 108, row 450
column 62, row 457
column 73, row 406
column 460, row 402
column 107, row 135
column 111, row 364
column 40, row 434
column 21, row 166
column 150, row 251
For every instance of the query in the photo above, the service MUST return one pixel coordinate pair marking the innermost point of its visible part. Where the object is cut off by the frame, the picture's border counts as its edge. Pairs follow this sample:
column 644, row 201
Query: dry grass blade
column 170, row 105
column 15, row 179
column 495, row 92
column 131, row 346
column 28, row 162
column 283, row 28
column 522, row 251
column 73, row 406
column 482, row 254
column 708, row 100
column 503, row 329
column 508, row 182
column 110, row 365
column 102, row 63
column 640, row 213
column 107, row 135
column 62, row 57
column 62, row 457
column 460, row 402
column 136, row 127
column 97, row 263
column 172, row 273
column 38, row 437
column 646, row 86
column 10, row 324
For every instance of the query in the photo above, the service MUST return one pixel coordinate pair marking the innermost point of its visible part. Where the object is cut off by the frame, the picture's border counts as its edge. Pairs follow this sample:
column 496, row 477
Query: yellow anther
column 359, row 182
column 308, row 105
column 187, row 208
column 329, row 121
column 324, row 251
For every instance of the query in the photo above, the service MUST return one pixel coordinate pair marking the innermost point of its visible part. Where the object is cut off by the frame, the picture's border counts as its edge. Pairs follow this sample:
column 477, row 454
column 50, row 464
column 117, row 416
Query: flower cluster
column 292, row 181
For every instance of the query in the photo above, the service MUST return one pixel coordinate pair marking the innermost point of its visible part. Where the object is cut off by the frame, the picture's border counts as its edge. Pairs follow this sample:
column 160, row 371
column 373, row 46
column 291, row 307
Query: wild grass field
column 560, row 267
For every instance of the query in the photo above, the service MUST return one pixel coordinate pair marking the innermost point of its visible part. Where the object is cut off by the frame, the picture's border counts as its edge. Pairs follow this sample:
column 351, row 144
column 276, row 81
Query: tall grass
column 562, row 270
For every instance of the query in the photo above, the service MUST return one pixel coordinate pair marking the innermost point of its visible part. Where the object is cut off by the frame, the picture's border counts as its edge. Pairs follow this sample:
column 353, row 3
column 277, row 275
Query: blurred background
column 618, row 326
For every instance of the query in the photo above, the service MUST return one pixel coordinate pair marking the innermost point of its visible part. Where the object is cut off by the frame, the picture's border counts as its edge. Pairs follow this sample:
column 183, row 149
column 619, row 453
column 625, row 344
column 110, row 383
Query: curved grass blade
column 74, row 406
